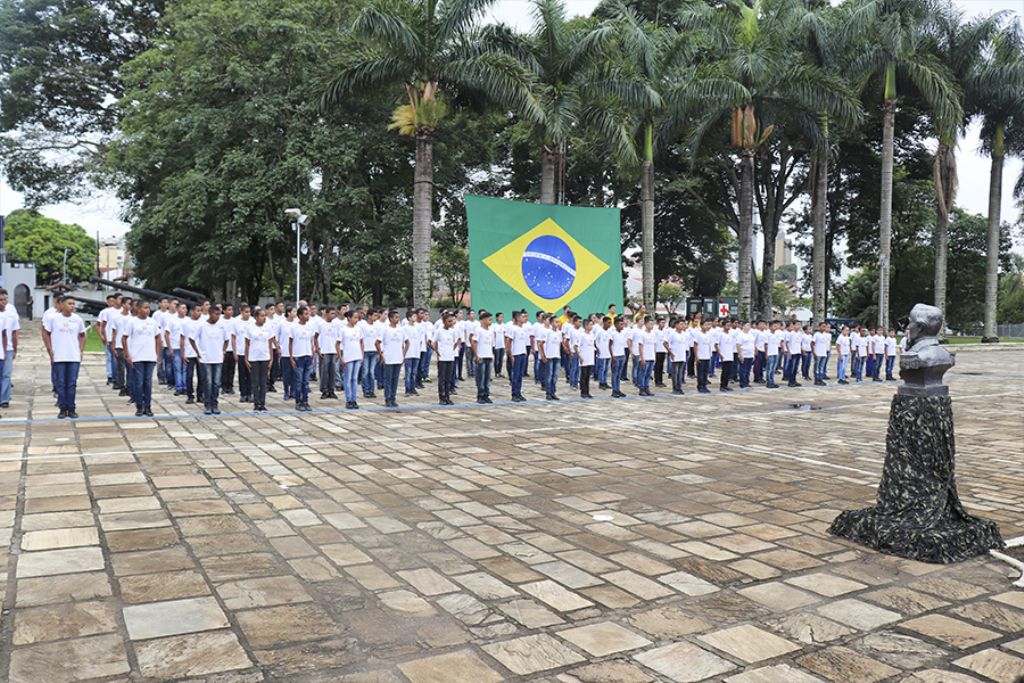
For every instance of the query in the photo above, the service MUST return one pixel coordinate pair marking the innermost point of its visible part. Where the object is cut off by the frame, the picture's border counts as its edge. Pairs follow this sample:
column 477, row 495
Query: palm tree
column 995, row 92
column 893, row 46
column 752, row 47
column 960, row 45
column 428, row 46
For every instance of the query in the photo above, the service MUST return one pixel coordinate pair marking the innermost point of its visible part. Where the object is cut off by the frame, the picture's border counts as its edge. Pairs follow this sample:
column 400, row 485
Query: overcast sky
column 101, row 213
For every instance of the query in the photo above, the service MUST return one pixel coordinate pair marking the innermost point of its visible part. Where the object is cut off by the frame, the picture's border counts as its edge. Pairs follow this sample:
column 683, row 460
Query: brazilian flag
column 543, row 256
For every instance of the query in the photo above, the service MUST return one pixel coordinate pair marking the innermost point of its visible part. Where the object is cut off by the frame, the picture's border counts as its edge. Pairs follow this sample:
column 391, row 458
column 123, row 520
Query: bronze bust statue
column 925, row 361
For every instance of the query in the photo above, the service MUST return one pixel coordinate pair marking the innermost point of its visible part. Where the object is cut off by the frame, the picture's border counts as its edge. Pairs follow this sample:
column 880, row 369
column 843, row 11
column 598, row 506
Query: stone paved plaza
column 659, row 539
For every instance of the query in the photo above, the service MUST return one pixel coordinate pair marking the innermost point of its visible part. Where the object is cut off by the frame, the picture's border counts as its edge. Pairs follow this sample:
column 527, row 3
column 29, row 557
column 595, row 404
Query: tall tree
column 427, row 46
column 34, row 238
column 60, row 68
column 893, row 50
column 995, row 92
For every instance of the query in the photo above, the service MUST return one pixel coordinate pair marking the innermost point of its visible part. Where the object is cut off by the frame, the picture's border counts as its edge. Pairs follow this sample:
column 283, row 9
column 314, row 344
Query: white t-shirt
column 520, row 337
column 142, row 335
column 679, row 343
column 646, row 344
column 552, row 343
column 284, row 336
column 120, row 328
column 64, row 337
column 210, row 340
column 903, row 344
column 805, row 341
column 746, row 344
column 239, row 332
column 862, row 346
column 415, row 338
column 727, row 347
column 350, row 339
column 618, row 342
column 426, row 331
column 843, row 343
column 188, row 329
column 484, row 339
column 585, row 348
column 703, row 340
column 392, row 344
column 774, row 341
column 879, row 344
column 105, row 316
column 499, row 335
column 12, row 323
column 890, row 346
column 446, row 339
column 538, row 332
column 259, row 337
column 601, row 342
column 302, row 339
column 822, row 342
column 854, row 340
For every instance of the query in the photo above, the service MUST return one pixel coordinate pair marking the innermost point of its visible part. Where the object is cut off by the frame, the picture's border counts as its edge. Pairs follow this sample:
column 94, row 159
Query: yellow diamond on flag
column 546, row 266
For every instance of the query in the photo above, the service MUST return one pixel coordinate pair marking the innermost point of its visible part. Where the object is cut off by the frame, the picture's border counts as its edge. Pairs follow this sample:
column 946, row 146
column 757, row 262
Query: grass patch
column 92, row 341
column 977, row 340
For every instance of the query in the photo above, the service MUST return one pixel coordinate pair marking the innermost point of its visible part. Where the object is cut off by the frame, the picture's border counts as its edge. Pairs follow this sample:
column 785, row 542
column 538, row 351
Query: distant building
column 19, row 279
column 783, row 251
column 112, row 255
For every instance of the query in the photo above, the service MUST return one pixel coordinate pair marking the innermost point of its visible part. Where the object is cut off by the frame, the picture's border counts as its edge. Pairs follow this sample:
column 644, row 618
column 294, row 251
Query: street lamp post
column 298, row 220
column 66, row 250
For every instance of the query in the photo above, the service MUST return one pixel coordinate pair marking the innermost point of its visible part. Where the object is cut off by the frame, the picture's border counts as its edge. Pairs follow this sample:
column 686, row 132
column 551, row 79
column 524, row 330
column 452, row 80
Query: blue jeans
column 179, row 371
column 168, row 367
column 5, row 379
column 351, row 380
column 538, row 374
column 858, row 368
column 617, row 362
column 792, row 368
column 67, row 382
column 142, row 383
column 412, row 369
column 499, row 360
column 367, row 372
column 129, row 373
column 771, row 365
column 390, row 375
column 806, row 364
column 111, row 362
column 551, row 375
column 287, row 377
column 425, row 364
column 573, row 371
column 302, row 372
column 518, row 370
column 482, row 373
column 889, row 363
column 745, row 365
column 644, row 375
column 211, row 383
column 841, row 366
column 820, row 366
column 601, row 370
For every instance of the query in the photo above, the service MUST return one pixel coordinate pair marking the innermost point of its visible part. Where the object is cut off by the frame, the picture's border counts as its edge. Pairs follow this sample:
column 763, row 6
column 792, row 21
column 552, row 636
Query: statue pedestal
column 919, row 515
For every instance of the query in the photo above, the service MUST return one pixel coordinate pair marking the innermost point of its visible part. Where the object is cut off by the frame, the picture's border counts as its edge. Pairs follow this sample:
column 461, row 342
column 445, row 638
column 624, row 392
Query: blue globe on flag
column 549, row 267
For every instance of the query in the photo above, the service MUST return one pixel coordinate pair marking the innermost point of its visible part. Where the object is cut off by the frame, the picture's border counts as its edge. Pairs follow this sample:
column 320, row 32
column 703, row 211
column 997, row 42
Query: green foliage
column 450, row 265
column 786, row 273
column 1011, row 293
column 671, row 295
column 32, row 237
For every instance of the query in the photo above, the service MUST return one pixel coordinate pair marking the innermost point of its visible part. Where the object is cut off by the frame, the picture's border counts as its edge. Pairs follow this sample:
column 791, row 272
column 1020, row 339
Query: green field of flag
column 543, row 256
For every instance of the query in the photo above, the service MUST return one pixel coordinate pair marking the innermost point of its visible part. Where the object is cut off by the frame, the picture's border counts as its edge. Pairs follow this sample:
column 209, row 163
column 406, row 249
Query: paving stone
column 684, row 662
column 779, row 673
column 428, row 582
column 162, row 586
column 904, row 600
column 262, row 592
column 603, row 638
column 955, row 632
column 858, row 614
column 749, row 643
column 150, row 561
column 606, row 672
column 529, row 613
column 840, row 664
column 826, row 584
column 939, row 676
column 272, row 626
column 66, row 561
column 530, row 654
column 50, row 539
column 898, row 649
column 173, row 617
column 809, row 628
column 195, row 654
column 778, row 596
column 406, row 602
column 67, row 620
column 64, row 588
column 66, row 661
column 555, row 596
column 640, row 586
column 455, row 667
column 994, row 665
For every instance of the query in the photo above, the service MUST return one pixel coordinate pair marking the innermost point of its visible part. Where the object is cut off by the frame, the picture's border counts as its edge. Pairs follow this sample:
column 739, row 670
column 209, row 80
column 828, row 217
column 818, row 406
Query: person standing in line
column 210, row 341
column 773, row 341
column 301, row 351
column 171, row 334
column 227, row 375
column 702, row 343
column 726, row 352
column 391, row 350
column 517, row 341
column 426, row 345
column 676, row 344
column 284, row 343
column 843, row 354
column 879, row 351
column 661, row 335
column 499, row 343
column 481, row 341
column 188, row 354
column 143, row 345
column 159, row 316
column 551, row 356
column 369, row 367
column 259, row 342
column 469, row 326
column 238, row 331
column 586, row 345
column 274, row 368
column 854, row 353
column 646, row 345
column 759, row 333
column 314, row 324
column 869, row 355
column 349, row 348
column 794, row 354
column 11, row 324
column 446, row 346
column 119, row 320
column 326, row 342
column 806, row 354
column 413, row 338
column 747, row 349
column 602, row 327
column 890, row 355
column 102, row 322
column 64, row 339
column 822, row 342
column 617, row 351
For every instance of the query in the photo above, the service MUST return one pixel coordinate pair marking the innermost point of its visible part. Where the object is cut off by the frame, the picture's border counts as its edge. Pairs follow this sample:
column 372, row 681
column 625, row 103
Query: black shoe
column 190, row 400
column 73, row 415
column 661, row 385
column 5, row 406
column 843, row 381
column 62, row 414
column 794, row 384
column 771, row 386
column 272, row 389
column 819, row 383
column 725, row 389
column 147, row 412
column 677, row 393
column 703, row 391
column 138, row 413
column 178, row 393
column 618, row 394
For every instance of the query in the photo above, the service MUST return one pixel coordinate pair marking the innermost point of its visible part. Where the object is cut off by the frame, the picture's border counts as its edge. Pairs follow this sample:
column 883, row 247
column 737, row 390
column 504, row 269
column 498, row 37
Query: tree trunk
column 647, row 223
column 995, row 199
column 944, row 177
column 767, row 285
column 885, row 217
column 819, row 204
column 547, row 175
column 422, row 214
column 746, row 235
